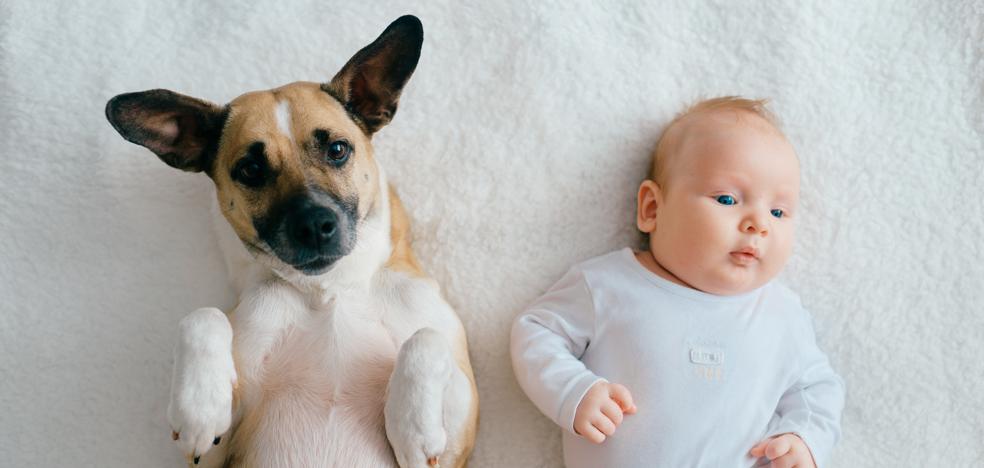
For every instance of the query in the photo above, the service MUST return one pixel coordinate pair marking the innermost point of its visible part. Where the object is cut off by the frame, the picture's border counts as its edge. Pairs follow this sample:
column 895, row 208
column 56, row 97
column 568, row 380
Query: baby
column 689, row 349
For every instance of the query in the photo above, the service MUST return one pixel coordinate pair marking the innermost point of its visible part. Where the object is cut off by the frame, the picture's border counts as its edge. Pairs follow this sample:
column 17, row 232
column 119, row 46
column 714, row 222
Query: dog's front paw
column 414, row 409
column 416, row 445
column 204, row 377
column 420, row 447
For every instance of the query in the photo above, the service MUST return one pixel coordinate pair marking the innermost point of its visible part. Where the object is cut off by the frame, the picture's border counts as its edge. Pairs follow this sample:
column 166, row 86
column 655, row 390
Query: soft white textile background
column 517, row 147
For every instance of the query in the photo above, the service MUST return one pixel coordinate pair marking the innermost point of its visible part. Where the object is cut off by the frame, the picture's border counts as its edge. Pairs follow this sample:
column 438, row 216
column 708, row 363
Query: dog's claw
column 432, row 461
column 174, row 435
column 197, row 458
column 216, row 441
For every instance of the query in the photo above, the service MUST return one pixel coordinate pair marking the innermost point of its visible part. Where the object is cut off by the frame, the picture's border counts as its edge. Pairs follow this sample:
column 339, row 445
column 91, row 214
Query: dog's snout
column 309, row 231
column 313, row 227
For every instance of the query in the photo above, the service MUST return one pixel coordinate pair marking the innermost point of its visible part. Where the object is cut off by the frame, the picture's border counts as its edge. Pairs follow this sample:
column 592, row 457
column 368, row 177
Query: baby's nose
column 755, row 225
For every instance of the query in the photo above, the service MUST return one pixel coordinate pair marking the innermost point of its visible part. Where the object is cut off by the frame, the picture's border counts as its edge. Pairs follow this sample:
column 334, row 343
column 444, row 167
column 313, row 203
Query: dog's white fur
column 204, row 376
column 314, row 355
column 283, row 120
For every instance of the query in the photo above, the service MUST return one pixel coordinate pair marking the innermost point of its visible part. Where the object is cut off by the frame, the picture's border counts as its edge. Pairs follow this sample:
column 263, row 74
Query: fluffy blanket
column 518, row 147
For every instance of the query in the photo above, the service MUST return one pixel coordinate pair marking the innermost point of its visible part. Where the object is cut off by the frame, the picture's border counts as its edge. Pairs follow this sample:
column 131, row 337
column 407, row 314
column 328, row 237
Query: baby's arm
column 547, row 342
column 808, row 414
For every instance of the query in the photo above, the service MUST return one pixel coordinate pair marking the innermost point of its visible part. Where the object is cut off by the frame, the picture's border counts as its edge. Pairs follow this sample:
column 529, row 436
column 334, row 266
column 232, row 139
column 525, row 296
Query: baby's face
column 724, row 218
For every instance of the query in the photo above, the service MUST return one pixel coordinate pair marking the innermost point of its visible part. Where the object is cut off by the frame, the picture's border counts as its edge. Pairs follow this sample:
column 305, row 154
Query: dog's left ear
column 369, row 84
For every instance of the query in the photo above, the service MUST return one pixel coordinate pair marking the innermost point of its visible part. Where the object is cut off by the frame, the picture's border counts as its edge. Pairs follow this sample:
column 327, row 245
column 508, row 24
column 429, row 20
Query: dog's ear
column 183, row 131
column 369, row 84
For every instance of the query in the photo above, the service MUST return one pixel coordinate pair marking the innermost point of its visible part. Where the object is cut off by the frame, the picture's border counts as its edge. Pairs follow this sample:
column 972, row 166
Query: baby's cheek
column 784, row 249
column 693, row 254
column 773, row 265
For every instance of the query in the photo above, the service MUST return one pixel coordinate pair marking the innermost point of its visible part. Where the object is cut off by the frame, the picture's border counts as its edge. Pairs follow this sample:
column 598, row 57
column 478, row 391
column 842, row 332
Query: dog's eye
column 338, row 151
column 249, row 172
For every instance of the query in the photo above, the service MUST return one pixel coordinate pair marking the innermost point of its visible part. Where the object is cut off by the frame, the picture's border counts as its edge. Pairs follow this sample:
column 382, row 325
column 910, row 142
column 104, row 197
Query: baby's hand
column 601, row 410
column 785, row 451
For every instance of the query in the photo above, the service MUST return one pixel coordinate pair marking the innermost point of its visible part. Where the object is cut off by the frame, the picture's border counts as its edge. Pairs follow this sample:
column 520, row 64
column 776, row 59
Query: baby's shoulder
column 786, row 303
column 606, row 268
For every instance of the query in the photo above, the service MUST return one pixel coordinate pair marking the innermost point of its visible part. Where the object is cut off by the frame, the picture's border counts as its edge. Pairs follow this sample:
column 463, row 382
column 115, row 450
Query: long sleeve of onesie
column 812, row 406
column 547, row 342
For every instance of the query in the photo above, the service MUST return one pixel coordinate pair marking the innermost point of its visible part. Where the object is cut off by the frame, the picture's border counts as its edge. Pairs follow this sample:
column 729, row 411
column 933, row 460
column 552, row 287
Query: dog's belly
column 318, row 401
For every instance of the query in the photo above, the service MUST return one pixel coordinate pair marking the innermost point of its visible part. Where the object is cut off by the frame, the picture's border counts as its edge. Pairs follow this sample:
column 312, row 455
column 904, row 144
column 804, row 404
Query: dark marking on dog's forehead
column 321, row 136
column 257, row 149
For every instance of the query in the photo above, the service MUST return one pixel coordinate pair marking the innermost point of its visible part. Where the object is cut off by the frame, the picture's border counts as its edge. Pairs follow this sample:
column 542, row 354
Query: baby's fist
column 785, row 451
column 601, row 411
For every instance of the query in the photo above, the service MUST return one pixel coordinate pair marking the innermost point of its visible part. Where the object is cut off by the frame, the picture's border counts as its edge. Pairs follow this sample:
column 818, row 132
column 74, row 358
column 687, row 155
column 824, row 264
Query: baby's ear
column 649, row 199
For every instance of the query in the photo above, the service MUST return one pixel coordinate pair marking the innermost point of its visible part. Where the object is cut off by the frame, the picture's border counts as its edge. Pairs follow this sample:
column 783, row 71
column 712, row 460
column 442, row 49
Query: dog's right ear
column 183, row 131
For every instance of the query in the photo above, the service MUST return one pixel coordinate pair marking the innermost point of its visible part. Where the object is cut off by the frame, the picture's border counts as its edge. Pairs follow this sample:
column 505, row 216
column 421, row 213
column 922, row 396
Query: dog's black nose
column 313, row 227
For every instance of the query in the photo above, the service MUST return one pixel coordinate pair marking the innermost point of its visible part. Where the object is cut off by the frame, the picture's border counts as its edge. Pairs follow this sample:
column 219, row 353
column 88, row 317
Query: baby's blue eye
column 777, row 213
column 725, row 199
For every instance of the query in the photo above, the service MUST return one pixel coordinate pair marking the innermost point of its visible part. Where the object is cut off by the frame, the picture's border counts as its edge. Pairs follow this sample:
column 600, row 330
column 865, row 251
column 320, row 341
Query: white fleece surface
column 518, row 146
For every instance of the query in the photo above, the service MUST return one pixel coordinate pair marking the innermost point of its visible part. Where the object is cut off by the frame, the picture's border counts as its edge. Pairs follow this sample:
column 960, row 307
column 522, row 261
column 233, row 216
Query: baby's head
column 720, row 203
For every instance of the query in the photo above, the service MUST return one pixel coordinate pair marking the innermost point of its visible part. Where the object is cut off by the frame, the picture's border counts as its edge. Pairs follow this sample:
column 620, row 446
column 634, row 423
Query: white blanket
column 518, row 146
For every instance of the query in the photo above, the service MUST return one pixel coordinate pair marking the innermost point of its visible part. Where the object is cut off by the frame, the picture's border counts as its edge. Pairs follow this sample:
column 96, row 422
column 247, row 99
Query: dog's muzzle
column 310, row 231
column 312, row 227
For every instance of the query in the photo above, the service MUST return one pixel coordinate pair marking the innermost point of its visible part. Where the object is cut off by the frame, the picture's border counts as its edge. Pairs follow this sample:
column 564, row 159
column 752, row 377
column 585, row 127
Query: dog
column 341, row 351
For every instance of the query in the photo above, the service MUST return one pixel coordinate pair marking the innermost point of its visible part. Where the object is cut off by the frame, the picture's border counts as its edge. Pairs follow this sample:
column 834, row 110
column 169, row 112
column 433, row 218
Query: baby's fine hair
column 734, row 103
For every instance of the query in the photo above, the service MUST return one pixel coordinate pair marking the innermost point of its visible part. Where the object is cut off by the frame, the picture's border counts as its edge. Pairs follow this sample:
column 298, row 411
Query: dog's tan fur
column 276, row 380
column 251, row 118
column 403, row 259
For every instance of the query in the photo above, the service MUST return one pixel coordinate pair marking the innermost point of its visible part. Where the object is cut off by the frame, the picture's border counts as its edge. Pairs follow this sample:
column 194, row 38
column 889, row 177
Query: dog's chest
column 338, row 351
column 322, row 382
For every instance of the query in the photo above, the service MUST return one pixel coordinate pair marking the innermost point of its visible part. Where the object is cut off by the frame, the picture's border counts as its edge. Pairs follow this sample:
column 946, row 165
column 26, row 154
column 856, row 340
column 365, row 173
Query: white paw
column 421, row 450
column 414, row 409
column 204, row 376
